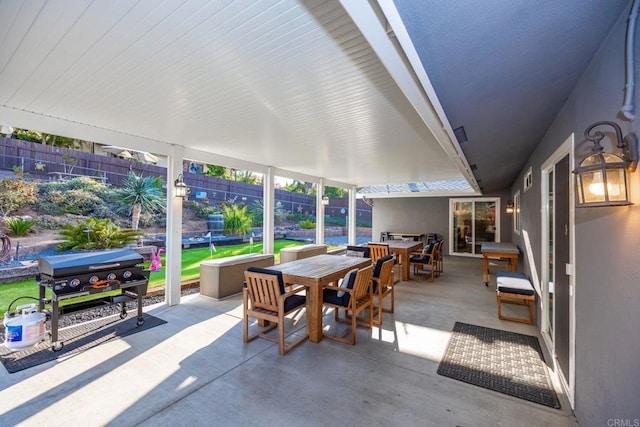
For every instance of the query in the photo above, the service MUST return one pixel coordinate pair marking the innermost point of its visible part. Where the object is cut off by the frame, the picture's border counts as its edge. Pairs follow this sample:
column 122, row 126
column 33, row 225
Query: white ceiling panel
column 291, row 84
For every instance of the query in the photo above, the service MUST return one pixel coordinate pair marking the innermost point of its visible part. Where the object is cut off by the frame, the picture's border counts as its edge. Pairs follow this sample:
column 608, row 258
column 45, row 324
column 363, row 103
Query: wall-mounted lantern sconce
column 181, row 188
column 510, row 207
column 601, row 178
column 325, row 200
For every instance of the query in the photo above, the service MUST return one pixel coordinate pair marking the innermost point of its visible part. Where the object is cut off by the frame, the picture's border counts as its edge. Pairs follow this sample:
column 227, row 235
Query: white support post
column 174, row 229
column 320, row 213
column 353, row 214
column 268, row 207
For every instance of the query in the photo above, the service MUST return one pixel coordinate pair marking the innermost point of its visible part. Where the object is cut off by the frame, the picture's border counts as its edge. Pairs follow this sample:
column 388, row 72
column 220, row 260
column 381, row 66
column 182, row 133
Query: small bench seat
column 514, row 288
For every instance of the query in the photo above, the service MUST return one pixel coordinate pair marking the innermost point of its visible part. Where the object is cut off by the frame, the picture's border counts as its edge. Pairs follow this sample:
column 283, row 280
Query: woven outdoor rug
column 502, row 361
column 76, row 339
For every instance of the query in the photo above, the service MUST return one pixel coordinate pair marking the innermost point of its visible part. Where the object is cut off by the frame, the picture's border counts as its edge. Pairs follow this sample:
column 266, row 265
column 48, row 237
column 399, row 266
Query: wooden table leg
column 314, row 313
column 485, row 264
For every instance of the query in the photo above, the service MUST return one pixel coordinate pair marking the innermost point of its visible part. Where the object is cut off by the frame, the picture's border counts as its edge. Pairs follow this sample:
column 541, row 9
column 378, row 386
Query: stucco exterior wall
column 607, row 254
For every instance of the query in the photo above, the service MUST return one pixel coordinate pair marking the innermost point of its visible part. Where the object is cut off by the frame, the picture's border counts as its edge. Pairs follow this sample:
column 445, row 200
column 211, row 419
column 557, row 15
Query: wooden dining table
column 501, row 250
column 403, row 248
column 315, row 273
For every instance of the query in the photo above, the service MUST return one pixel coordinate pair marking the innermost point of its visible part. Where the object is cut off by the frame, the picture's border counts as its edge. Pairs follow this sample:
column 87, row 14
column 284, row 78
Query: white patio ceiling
column 302, row 86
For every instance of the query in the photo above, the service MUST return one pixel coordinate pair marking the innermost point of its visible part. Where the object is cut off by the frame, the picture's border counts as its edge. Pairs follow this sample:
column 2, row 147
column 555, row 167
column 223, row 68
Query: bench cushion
column 514, row 282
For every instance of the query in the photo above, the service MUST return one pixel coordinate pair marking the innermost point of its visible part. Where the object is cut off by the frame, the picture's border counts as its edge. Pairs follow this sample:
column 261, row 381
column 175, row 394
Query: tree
column 140, row 194
column 215, row 171
column 296, row 187
column 45, row 138
column 335, row 192
column 245, row 176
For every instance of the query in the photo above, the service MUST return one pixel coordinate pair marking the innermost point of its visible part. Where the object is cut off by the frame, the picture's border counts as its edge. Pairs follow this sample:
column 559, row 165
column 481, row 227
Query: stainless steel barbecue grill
column 76, row 275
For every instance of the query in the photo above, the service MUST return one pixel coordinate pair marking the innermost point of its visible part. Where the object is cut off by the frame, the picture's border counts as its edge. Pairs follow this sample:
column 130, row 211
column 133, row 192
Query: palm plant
column 140, row 194
column 19, row 226
column 96, row 233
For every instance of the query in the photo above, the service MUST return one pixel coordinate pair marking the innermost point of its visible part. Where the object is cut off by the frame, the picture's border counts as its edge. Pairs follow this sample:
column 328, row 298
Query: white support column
column 174, row 229
column 320, row 213
column 353, row 215
column 268, row 207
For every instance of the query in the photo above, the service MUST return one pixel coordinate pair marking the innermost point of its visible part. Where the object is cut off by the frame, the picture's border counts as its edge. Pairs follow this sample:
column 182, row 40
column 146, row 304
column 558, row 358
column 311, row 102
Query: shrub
column 257, row 213
column 19, row 226
column 280, row 214
column 78, row 196
column 236, row 219
column 15, row 194
column 94, row 233
column 307, row 224
column 50, row 222
column 200, row 210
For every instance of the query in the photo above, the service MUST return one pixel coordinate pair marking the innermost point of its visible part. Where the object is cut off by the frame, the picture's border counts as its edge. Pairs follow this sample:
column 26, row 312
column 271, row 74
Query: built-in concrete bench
column 300, row 252
column 514, row 287
column 220, row 278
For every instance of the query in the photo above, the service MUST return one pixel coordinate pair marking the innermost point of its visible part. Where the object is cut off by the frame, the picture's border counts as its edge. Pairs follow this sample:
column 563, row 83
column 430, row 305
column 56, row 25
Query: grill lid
column 65, row 265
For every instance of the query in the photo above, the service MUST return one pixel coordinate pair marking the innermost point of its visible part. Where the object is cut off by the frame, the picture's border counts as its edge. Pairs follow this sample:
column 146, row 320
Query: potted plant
column 17, row 169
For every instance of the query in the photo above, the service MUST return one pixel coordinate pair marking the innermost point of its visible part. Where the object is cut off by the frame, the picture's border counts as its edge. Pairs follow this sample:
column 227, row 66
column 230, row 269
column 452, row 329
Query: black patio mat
column 502, row 361
column 76, row 339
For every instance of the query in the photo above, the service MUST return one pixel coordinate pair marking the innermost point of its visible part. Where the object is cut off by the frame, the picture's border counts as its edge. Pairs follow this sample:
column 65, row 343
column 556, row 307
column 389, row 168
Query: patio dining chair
column 264, row 298
column 440, row 258
column 358, row 251
column 383, row 286
column 354, row 296
column 379, row 250
column 427, row 260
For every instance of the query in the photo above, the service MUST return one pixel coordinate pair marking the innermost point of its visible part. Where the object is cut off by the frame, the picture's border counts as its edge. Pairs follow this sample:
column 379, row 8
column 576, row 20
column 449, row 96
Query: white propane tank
column 24, row 328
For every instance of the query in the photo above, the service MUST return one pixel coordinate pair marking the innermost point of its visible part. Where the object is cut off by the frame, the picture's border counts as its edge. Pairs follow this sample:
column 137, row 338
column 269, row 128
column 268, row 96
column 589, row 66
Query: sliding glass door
column 473, row 221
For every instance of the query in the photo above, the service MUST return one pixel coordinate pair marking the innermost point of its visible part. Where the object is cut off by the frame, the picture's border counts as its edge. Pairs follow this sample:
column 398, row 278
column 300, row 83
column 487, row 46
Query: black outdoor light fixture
column 601, row 178
column 181, row 188
column 510, row 206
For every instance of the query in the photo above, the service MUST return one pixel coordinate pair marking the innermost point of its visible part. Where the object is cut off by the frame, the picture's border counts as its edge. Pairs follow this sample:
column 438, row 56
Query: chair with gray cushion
column 426, row 261
column 353, row 296
column 264, row 297
column 383, row 286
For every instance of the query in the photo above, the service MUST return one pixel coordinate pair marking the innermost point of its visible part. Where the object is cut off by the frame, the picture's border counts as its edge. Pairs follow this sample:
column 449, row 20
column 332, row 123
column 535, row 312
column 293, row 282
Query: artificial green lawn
column 191, row 259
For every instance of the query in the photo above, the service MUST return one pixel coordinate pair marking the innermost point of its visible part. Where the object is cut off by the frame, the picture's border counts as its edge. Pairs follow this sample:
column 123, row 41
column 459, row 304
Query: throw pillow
column 347, row 281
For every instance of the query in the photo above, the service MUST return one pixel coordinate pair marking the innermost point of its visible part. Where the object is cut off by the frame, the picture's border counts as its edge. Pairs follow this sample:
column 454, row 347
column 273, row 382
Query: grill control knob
column 127, row 274
column 75, row 282
column 93, row 279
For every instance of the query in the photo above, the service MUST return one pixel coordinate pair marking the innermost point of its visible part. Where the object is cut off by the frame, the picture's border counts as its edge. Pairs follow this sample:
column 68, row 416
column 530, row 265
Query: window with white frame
column 516, row 212
column 528, row 179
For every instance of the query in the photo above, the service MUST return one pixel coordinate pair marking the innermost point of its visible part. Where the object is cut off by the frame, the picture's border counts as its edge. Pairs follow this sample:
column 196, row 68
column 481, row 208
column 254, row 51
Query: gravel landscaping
column 110, row 310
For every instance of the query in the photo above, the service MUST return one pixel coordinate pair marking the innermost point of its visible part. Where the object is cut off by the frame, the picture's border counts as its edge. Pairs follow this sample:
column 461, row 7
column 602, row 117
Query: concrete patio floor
column 195, row 370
